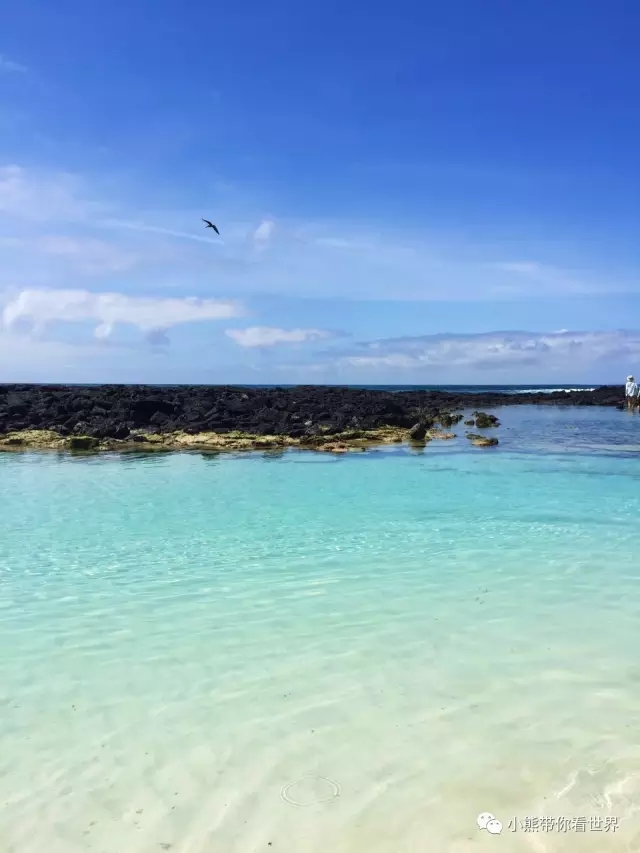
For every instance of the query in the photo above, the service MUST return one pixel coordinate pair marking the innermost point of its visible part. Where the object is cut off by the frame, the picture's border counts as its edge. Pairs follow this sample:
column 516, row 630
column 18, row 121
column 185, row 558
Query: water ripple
column 429, row 638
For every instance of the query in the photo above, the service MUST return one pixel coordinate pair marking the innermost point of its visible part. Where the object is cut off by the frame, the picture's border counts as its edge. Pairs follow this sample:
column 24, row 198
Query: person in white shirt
column 631, row 392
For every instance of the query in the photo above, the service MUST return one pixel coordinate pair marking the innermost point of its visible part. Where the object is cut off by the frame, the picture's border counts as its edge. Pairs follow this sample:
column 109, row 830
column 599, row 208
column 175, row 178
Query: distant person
column 631, row 392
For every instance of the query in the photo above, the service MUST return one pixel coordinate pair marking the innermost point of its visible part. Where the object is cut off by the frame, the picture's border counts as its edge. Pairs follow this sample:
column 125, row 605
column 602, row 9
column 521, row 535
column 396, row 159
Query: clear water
column 309, row 654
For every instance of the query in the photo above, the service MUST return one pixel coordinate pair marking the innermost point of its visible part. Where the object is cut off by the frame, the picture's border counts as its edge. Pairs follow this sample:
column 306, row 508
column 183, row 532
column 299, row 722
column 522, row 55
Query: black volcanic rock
column 449, row 419
column 484, row 421
column 418, row 431
column 112, row 411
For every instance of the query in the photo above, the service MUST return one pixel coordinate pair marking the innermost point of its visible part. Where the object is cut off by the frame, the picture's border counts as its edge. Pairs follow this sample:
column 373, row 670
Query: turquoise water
column 355, row 654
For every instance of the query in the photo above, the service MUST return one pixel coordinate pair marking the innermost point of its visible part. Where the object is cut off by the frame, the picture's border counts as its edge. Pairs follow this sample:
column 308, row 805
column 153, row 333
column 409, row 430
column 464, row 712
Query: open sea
column 314, row 654
column 456, row 389
column 466, row 389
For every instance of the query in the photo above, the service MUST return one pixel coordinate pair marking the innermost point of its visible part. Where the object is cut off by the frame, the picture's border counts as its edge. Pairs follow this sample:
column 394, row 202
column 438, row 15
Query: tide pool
column 309, row 654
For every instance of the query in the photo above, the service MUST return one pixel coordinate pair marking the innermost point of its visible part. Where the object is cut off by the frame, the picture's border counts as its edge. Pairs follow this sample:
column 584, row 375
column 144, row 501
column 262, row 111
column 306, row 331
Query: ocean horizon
column 500, row 388
column 460, row 389
column 301, row 652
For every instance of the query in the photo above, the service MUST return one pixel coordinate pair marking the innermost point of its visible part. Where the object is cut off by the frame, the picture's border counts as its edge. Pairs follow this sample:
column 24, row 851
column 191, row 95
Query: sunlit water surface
column 308, row 653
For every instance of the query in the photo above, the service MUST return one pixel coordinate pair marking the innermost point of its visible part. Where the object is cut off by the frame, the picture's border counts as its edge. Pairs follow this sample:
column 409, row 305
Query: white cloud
column 263, row 233
column 530, row 277
column 495, row 350
column 148, row 314
column 43, row 197
column 87, row 254
column 267, row 336
column 338, row 260
column 154, row 229
column 157, row 337
column 43, row 359
column 10, row 67
column 103, row 332
column 26, row 360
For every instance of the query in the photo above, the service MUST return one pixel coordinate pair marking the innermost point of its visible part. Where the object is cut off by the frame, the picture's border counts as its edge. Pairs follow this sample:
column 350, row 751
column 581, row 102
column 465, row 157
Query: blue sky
column 405, row 192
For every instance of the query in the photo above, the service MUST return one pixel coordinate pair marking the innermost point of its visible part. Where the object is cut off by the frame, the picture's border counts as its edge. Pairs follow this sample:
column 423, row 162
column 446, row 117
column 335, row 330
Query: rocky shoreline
column 212, row 442
column 335, row 419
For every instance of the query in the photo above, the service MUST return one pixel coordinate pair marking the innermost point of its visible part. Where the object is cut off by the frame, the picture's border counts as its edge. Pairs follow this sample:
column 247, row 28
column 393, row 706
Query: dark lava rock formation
column 113, row 411
column 484, row 421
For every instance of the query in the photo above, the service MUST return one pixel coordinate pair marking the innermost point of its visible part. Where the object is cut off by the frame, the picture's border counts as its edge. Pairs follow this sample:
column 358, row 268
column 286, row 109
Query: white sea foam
column 548, row 390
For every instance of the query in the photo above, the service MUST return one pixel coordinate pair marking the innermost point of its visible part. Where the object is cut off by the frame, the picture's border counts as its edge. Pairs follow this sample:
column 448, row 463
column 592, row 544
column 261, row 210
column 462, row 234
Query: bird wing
column 209, row 224
column 216, row 230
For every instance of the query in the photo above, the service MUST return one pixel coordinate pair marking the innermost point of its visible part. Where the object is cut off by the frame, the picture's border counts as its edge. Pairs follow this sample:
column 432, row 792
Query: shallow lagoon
column 358, row 653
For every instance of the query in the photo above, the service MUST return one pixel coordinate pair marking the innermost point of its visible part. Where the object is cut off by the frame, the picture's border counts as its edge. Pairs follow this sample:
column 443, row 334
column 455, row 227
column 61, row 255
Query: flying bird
column 211, row 225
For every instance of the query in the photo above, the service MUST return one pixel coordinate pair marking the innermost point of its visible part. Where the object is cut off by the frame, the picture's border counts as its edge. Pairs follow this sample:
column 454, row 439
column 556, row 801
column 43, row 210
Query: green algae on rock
column 139, row 441
column 81, row 442
column 32, row 439
column 441, row 434
column 481, row 440
column 349, row 441
column 484, row 421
